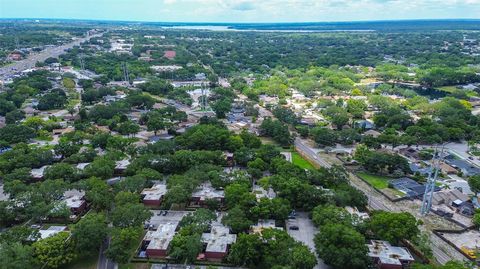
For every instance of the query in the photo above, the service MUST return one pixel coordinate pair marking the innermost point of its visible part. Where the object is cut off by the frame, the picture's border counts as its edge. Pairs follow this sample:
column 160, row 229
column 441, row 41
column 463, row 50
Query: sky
column 241, row 10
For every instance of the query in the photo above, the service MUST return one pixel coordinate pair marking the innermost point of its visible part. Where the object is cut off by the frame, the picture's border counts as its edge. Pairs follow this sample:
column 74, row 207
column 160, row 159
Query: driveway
column 305, row 234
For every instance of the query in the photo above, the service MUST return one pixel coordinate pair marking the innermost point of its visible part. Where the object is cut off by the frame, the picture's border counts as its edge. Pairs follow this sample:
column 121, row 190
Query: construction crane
column 431, row 182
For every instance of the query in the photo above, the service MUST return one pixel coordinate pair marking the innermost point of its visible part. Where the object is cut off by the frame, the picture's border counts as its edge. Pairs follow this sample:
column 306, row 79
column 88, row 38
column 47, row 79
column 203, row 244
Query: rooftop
column 219, row 238
column 51, row 231
column 387, row 253
column 156, row 192
column 206, row 191
column 160, row 238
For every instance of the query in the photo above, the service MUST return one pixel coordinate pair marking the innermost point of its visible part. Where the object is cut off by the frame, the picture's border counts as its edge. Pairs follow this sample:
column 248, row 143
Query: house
column 155, row 243
column 409, row 186
column 169, row 54
column 37, row 173
column 51, row 231
column 260, row 192
column 15, row 56
column 364, row 124
column 262, row 225
column 121, row 166
column 81, row 166
column 153, row 196
column 218, row 242
column 449, row 197
column 372, row 133
column 462, row 165
column 386, row 256
column 447, row 169
column 205, row 193
column 362, row 216
column 75, row 200
column 63, row 131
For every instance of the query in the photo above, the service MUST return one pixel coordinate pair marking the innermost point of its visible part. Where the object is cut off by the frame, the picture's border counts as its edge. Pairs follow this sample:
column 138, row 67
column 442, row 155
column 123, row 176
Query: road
column 103, row 261
column 441, row 250
column 19, row 66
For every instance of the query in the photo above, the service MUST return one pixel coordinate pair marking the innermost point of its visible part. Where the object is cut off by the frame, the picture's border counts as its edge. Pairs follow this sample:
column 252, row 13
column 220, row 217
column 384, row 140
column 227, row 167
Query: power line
column 431, row 182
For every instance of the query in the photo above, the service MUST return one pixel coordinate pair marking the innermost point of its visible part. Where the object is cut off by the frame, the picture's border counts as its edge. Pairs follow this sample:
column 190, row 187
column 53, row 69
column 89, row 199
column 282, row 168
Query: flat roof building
column 51, row 231
column 386, row 256
column 207, row 192
column 153, row 196
column 157, row 241
column 262, row 225
column 218, row 242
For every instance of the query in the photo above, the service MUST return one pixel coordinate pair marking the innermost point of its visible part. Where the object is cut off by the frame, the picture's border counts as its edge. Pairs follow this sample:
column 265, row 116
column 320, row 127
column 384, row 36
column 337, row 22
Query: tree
column 89, row 233
column 63, row 171
column 394, row 227
column 130, row 215
column 341, row 247
column 101, row 167
column 337, row 115
column 238, row 194
column 184, row 248
column 324, row 136
column 330, row 214
column 302, row 257
column 474, row 183
column 13, row 133
column 14, row 255
column 123, row 243
column 237, row 220
column 198, row 221
column 222, row 107
column 54, row 251
column 98, row 193
column 247, row 250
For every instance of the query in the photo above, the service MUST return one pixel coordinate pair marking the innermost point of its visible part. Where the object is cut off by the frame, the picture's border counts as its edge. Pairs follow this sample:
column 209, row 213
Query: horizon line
column 210, row 22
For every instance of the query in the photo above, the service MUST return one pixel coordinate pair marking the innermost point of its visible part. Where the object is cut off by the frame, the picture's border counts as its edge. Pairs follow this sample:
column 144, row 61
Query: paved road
column 441, row 250
column 29, row 62
column 103, row 261
column 310, row 153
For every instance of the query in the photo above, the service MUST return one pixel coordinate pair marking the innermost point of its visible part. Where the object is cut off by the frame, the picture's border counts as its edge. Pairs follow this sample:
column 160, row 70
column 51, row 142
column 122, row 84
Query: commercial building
column 386, row 256
column 153, row 196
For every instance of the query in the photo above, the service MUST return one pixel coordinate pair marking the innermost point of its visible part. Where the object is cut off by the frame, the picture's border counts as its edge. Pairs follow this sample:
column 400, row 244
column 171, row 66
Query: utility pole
column 431, row 182
column 82, row 61
column 17, row 43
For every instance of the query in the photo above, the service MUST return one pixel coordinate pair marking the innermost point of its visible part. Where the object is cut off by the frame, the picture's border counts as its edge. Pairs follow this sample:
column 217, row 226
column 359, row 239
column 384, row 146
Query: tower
column 126, row 77
column 432, row 179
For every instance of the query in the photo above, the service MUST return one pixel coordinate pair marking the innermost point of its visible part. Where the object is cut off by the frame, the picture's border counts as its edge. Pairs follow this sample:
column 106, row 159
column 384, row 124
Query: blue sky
column 241, row 10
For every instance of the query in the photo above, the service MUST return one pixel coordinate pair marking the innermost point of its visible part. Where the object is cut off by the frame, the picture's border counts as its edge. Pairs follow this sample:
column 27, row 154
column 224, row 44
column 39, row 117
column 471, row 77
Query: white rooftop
column 51, row 231
column 260, row 192
column 38, row 172
column 387, row 253
column 160, row 238
column 82, row 166
column 123, row 164
column 156, row 192
column 218, row 239
column 206, row 191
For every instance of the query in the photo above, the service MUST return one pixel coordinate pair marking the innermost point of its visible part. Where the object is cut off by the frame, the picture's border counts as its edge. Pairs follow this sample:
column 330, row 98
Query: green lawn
column 379, row 182
column 300, row 161
column 83, row 263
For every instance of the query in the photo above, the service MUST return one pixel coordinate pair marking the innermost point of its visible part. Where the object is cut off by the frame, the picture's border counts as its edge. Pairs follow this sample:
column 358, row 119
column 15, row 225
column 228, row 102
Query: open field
column 379, row 182
column 300, row 161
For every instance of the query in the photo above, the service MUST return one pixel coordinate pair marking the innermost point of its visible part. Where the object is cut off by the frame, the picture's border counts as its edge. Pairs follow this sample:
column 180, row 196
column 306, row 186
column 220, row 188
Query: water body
column 230, row 29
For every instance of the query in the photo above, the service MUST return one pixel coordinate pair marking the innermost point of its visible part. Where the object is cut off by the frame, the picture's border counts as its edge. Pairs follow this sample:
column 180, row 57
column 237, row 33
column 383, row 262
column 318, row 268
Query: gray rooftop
column 219, row 238
column 387, row 253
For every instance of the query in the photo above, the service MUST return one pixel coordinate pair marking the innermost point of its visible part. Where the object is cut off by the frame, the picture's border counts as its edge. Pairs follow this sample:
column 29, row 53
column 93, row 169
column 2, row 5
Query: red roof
column 170, row 54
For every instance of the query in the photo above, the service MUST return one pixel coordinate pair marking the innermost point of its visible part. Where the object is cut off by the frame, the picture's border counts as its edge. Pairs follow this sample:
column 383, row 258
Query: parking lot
column 305, row 233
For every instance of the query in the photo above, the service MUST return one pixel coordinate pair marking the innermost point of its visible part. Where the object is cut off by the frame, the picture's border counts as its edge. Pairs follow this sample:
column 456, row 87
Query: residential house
column 386, row 256
column 155, row 243
column 153, row 196
column 218, row 242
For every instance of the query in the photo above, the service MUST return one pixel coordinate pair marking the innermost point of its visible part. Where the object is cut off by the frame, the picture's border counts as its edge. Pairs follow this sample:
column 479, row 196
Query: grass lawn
column 135, row 266
column 297, row 159
column 83, row 263
column 379, row 182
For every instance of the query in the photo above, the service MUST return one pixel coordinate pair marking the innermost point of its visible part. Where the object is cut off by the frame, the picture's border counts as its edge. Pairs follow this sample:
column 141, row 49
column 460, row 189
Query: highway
column 29, row 62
